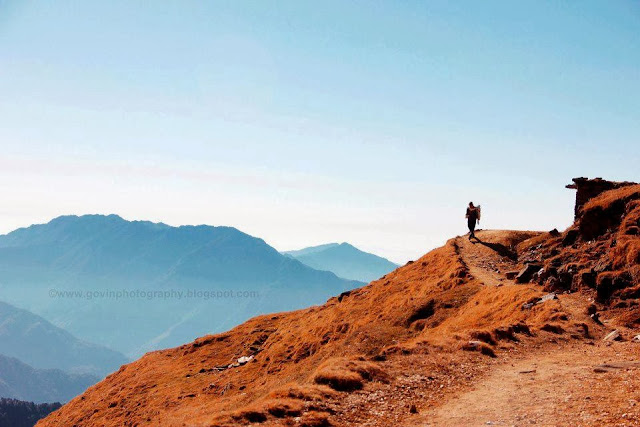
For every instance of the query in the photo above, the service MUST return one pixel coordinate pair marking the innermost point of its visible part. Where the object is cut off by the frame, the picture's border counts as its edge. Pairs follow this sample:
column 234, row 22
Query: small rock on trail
column 613, row 336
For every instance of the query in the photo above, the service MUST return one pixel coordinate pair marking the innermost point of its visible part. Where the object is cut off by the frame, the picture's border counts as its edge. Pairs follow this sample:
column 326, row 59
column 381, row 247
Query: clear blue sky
column 373, row 122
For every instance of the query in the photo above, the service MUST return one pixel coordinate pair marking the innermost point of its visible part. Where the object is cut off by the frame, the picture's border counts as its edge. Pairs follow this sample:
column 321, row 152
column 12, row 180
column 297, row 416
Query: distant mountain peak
column 103, row 219
column 345, row 260
column 312, row 249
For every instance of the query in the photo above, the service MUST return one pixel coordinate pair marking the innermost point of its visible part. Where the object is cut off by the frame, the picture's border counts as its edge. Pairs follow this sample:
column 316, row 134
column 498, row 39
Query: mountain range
column 135, row 286
column 345, row 261
column 38, row 343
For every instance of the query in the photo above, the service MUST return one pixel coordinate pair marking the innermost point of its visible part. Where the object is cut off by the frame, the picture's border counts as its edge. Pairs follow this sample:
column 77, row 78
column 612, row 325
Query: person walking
column 473, row 216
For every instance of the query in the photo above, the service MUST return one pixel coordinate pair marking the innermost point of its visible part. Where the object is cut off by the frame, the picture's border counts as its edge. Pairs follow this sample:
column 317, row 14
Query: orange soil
column 367, row 357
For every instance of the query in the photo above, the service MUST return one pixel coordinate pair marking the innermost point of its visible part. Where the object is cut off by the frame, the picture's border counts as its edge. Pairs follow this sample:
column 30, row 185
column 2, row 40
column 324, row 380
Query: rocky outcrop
column 601, row 250
column 587, row 189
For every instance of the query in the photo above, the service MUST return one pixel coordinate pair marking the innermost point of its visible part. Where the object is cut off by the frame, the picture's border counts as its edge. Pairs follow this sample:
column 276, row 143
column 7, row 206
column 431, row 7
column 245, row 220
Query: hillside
column 23, row 335
column 20, row 381
column 17, row 413
column 450, row 339
column 345, row 261
column 135, row 286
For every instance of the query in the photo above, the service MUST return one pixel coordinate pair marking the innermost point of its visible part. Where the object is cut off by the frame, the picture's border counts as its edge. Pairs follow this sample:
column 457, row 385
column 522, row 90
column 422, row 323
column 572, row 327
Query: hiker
column 473, row 216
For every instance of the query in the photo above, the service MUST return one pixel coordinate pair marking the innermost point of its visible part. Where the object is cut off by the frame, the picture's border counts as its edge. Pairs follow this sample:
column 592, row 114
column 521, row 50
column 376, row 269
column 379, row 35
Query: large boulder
column 526, row 274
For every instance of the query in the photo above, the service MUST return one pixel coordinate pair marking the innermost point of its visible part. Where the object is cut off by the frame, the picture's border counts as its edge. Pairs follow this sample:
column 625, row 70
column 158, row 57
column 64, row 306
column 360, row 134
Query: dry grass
column 479, row 346
column 608, row 198
column 483, row 336
column 347, row 375
column 309, row 393
column 339, row 379
column 314, row 419
column 281, row 408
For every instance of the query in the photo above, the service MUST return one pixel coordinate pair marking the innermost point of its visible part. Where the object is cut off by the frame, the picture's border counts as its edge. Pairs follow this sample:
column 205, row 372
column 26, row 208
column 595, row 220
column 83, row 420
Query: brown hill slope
column 368, row 356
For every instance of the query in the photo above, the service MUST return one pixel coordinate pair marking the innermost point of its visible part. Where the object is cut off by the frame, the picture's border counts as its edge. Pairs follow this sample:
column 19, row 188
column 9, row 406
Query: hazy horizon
column 306, row 123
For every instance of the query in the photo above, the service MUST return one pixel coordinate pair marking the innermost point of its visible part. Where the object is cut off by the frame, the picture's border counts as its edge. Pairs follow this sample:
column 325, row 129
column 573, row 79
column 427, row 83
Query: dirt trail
column 488, row 257
column 563, row 382
column 560, row 387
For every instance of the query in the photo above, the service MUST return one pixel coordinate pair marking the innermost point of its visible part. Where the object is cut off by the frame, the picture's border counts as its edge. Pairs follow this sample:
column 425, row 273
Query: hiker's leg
column 472, row 227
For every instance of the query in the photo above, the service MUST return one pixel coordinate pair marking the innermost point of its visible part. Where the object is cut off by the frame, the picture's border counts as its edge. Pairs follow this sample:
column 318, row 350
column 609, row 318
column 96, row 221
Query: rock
column 587, row 189
column 474, row 345
column 547, row 297
column 344, row 295
column 413, row 409
column 511, row 274
column 245, row 359
column 540, row 300
column 636, row 338
column 613, row 336
column 527, row 272
column 565, row 279
column 566, row 275
column 546, row 272
column 589, row 278
column 557, row 263
column 554, row 232
column 610, row 281
column 553, row 328
column 570, row 237
column 604, row 286
column 596, row 318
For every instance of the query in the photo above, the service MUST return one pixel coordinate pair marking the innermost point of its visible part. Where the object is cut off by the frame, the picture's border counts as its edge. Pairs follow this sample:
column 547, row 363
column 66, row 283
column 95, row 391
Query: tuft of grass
column 251, row 415
column 315, row 419
column 307, row 393
column 483, row 336
column 281, row 408
column 339, row 379
column 348, row 375
column 479, row 346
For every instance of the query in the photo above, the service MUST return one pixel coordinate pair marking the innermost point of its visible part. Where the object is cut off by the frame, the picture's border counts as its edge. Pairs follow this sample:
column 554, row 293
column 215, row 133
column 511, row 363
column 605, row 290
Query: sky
column 302, row 122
